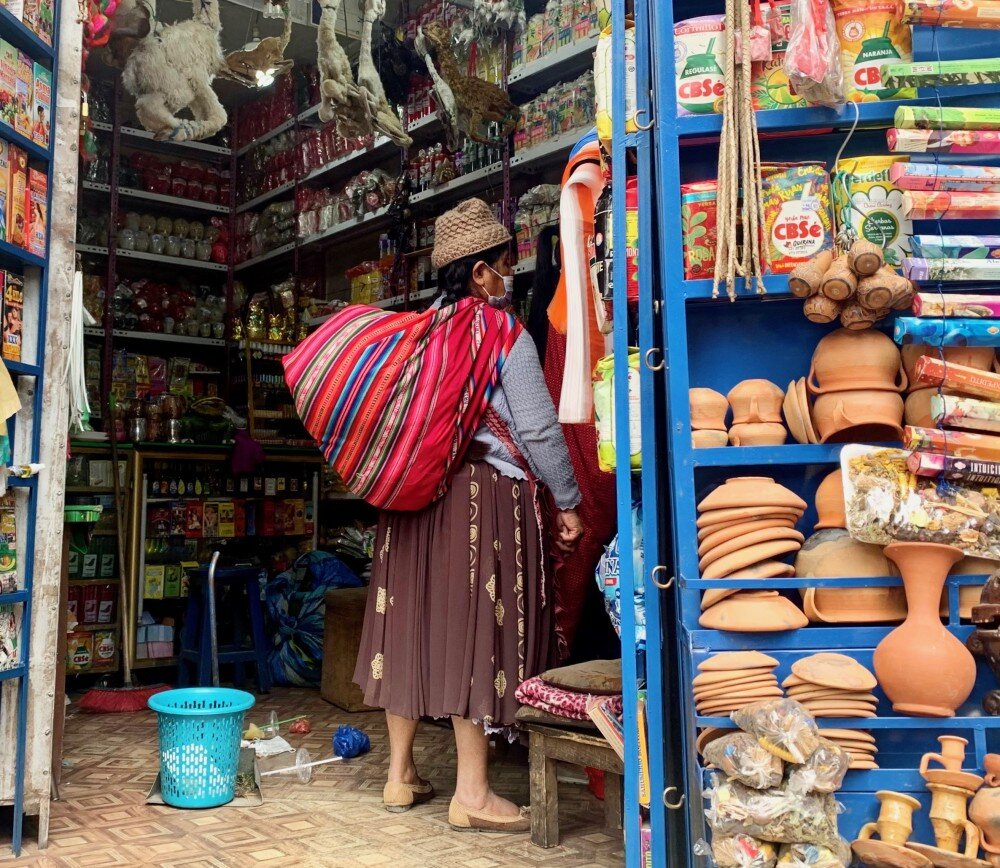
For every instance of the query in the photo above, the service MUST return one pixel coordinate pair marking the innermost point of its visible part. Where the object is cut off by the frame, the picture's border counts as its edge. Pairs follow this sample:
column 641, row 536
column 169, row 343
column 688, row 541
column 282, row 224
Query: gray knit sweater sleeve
column 536, row 425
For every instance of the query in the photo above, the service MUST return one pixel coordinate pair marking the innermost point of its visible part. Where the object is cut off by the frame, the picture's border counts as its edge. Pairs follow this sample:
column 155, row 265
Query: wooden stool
column 548, row 745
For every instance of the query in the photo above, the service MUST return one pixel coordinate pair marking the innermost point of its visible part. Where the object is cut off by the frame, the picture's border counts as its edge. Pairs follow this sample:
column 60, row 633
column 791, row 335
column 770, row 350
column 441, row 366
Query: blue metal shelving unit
column 35, row 270
column 686, row 339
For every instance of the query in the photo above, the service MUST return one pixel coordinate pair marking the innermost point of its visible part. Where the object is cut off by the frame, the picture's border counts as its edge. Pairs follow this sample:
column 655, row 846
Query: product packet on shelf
column 954, row 469
column 956, row 246
column 36, row 208
column 8, row 83
column 22, row 94
column 8, row 544
column 13, row 308
column 17, row 189
column 797, row 221
column 940, row 205
column 965, row 270
column 41, row 113
column 926, row 141
column 868, row 205
column 942, row 73
column 10, row 636
column 951, row 332
column 960, row 444
column 931, row 371
column 981, row 14
column 910, row 117
column 870, row 35
column 959, row 412
column 941, row 176
column 955, row 304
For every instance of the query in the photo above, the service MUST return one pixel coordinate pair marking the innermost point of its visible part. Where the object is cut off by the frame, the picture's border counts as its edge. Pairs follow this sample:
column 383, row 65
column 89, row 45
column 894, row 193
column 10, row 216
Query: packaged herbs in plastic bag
column 782, row 726
column 738, row 851
column 814, row 856
column 740, row 757
column 823, row 772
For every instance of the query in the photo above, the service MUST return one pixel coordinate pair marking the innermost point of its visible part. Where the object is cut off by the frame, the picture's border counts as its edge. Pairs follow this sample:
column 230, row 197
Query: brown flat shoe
column 463, row 819
column 398, row 798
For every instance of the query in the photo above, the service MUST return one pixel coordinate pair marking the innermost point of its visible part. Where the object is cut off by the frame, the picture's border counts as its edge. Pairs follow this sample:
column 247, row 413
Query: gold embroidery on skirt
column 519, row 586
column 499, row 612
column 473, row 529
column 385, row 545
column 491, row 588
column 378, row 662
column 392, row 600
column 380, row 601
column 500, row 684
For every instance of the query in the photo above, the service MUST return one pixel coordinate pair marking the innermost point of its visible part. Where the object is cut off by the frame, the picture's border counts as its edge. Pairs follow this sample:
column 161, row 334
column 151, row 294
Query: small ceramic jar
column 173, row 245
column 756, row 401
column 708, row 409
column 757, row 434
column 858, row 415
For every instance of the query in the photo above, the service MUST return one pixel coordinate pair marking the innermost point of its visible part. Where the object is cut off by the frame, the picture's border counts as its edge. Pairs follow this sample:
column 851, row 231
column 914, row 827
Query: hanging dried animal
column 173, row 69
column 477, row 102
column 397, row 62
column 122, row 31
column 447, row 109
column 340, row 98
column 491, row 18
column 385, row 119
column 267, row 58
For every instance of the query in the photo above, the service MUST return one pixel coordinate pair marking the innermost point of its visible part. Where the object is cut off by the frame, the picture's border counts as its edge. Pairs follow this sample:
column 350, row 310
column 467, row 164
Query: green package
column 910, row 117
column 604, row 411
column 942, row 73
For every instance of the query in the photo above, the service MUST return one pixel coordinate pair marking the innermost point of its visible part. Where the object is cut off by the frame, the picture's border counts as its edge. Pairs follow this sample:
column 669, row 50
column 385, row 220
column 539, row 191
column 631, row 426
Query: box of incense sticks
column 980, row 15
column 954, row 469
column 934, row 371
column 939, row 332
column 956, row 246
column 955, row 304
column 973, row 142
column 942, row 176
column 937, row 204
column 913, row 117
column 915, row 268
column 958, row 412
column 941, row 73
column 962, row 444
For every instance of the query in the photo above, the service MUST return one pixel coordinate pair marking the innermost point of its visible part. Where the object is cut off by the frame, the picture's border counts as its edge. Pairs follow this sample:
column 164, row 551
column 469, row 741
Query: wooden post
column 544, row 793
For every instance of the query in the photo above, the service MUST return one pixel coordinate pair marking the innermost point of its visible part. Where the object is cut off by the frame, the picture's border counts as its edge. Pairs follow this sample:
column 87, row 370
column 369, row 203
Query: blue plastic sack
column 296, row 607
column 349, row 741
column 608, row 573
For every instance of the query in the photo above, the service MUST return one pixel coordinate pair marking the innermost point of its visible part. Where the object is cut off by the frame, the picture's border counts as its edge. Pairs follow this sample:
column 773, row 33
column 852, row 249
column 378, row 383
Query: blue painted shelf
column 756, row 456
column 14, row 597
column 11, row 254
column 18, row 34
column 882, row 722
column 35, row 151
column 23, row 369
column 8, row 674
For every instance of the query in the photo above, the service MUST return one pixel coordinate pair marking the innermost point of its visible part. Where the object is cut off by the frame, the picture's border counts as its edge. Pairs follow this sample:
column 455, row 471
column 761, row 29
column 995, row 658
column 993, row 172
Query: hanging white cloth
column 76, row 372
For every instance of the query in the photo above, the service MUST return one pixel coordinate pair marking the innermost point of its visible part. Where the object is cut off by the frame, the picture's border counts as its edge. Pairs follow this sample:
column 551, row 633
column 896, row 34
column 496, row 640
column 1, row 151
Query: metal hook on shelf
column 657, row 367
column 673, row 806
column 643, row 127
column 663, row 586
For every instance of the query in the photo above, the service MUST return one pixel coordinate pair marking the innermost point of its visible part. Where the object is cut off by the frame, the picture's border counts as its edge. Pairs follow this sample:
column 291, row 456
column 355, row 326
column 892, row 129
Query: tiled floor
column 335, row 820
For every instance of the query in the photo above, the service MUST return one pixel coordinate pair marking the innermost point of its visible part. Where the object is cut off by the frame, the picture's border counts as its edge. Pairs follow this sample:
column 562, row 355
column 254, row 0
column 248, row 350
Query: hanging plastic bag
column 812, row 59
column 760, row 34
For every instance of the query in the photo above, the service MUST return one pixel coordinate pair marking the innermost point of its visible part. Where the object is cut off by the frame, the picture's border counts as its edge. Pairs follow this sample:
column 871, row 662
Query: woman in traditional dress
column 461, row 598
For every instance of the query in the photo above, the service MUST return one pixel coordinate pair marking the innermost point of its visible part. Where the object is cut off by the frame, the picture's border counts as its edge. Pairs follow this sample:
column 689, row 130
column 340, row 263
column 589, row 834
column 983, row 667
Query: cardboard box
column 154, row 580
column 13, row 311
column 195, row 519
column 37, row 208
column 22, row 94
column 41, row 105
column 17, row 190
column 15, row 8
column 227, row 519
column 210, row 524
column 172, row 581
column 8, row 83
column 39, row 15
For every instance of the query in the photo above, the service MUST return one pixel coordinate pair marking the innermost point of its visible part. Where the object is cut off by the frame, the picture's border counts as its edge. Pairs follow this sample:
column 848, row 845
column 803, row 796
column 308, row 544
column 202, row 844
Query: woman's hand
column 569, row 529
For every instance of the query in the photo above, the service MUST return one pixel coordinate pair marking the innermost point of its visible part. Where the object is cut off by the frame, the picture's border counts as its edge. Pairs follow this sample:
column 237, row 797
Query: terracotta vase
column 950, row 821
column 862, row 415
column 830, row 502
column 923, row 669
column 756, row 401
column 757, row 434
column 951, row 755
column 984, row 811
column 895, row 818
column 708, row 409
column 849, row 360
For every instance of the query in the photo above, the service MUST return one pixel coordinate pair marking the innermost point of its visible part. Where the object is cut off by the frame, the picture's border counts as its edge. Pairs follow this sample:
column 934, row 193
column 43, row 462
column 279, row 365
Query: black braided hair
column 455, row 279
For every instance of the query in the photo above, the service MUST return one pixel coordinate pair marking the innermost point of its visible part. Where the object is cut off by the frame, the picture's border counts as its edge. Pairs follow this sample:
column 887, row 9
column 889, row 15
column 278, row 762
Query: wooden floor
column 335, row 820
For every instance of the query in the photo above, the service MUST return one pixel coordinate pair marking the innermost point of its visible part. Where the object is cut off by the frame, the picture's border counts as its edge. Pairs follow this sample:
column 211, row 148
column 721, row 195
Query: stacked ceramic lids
column 728, row 681
column 834, row 685
column 856, row 377
column 744, row 527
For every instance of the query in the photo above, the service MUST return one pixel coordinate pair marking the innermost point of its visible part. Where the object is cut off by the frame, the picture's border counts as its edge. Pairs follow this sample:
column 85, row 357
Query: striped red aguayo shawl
column 393, row 400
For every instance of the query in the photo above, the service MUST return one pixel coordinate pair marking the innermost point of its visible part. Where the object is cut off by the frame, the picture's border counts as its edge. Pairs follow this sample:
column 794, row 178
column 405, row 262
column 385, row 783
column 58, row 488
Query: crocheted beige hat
column 468, row 228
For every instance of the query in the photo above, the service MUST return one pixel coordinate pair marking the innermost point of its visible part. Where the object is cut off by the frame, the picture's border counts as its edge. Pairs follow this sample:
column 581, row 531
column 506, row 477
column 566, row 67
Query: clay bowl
column 830, row 669
column 751, row 491
column 758, row 434
column 844, row 710
column 854, row 605
column 793, row 416
column 860, row 415
column 710, row 540
column 812, row 693
column 962, row 780
column 754, row 612
column 848, row 360
column 881, row 854
column 980, row 358
column 728, row 661
column 805, row 408
column 748, row 540
column 709, row 439
column 764, row 570
column 718, row 517
column 709, row 734
column 755, row 401
column 708, row 409
column 746, row 557
column 945, row 859
column 830, row 502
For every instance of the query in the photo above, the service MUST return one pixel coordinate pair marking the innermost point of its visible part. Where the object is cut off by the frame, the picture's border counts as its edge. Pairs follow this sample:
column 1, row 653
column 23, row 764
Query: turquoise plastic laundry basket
column 200, row 730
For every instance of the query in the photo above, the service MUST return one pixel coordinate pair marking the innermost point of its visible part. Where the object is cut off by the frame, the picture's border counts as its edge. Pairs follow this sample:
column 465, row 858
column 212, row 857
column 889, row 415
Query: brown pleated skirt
column 458, row 612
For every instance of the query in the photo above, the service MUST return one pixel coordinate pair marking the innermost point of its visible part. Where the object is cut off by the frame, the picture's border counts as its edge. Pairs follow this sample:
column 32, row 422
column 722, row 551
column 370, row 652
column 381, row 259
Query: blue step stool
column 231, row 584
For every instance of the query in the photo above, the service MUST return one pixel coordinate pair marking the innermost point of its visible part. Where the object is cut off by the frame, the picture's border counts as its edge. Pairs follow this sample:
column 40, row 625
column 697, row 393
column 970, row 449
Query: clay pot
column 984, row 811
column 708, row 409
column 754, row 612
column 751, row 491
column 830, row 502
column 756, row 401
column 863, row 415
column 895, row 818
column 951, row 756
column 980, row 358
column 709, row 439
column 848, row 360
column 923, row 669
column 950, row 820
column 757, row 434
column 917, row 409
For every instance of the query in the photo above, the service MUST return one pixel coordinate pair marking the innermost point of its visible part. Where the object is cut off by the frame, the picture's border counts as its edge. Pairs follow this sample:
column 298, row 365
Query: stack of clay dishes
column 729, row 681
column 830, row 552
column 834, row 685
column 798, row 412
column 708, row 418
column 856, row 377
column 917, row 409
column 756, row 414
column 744, row 526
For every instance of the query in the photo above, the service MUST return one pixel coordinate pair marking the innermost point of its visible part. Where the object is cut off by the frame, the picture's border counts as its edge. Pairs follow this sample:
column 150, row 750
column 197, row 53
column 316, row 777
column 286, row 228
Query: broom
column 130, row 698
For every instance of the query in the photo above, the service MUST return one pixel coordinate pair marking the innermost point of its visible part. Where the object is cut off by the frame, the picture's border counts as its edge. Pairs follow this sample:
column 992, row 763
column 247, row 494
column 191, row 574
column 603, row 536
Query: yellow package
column 871, row 34
column 866, row 204
column 604, row 412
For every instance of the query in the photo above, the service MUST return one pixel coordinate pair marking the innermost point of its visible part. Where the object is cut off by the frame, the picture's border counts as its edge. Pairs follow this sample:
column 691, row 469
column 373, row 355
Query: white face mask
column 502, row 302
